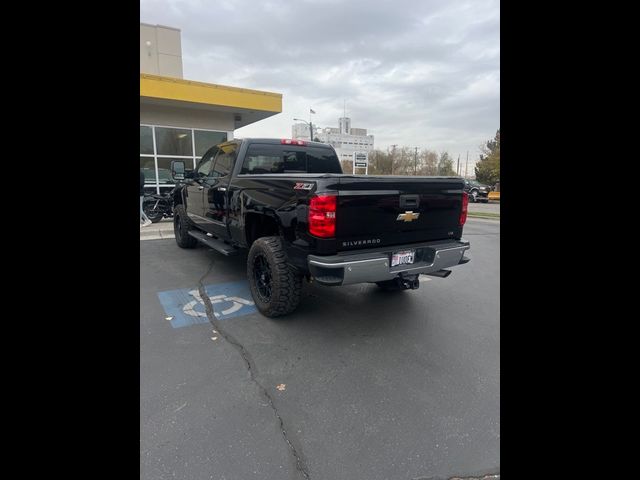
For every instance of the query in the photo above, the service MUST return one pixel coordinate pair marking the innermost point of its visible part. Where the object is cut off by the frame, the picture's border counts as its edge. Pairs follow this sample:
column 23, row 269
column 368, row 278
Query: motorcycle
column 158, row 206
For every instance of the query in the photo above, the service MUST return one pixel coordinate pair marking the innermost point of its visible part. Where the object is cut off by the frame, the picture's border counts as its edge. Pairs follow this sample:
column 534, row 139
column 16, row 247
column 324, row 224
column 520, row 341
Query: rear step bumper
column 375, row 265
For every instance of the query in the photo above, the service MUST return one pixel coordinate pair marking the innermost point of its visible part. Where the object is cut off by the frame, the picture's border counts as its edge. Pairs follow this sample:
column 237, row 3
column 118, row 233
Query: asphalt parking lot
column 355, row 384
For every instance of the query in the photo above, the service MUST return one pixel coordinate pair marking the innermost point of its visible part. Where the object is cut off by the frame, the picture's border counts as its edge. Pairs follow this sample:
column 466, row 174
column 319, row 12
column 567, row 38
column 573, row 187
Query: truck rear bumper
column 375, row 265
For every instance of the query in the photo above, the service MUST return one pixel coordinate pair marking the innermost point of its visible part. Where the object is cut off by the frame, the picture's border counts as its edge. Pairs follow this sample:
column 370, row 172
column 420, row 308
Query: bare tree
column 405, row 161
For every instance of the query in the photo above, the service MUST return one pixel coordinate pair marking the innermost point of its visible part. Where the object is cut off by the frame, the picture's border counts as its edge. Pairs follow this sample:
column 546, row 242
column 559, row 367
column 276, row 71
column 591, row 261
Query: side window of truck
column 224, row 161
column 204, row 166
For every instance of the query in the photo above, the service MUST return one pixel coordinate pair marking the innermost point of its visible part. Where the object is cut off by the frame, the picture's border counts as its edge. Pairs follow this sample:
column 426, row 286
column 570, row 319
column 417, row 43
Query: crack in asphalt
column 251, row 367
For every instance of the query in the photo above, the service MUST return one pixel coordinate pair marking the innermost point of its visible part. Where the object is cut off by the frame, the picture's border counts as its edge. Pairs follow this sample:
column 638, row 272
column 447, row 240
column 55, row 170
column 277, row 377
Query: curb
column 157, row 231
column 155, row 237
column 485, row 219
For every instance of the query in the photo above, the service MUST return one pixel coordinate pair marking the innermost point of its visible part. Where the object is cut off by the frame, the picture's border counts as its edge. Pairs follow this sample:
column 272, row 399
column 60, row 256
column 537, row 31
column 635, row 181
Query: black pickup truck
column 289, row 203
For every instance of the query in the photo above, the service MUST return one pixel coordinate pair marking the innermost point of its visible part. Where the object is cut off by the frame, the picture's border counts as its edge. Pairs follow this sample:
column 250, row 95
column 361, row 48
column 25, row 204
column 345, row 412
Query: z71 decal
column 303, row 186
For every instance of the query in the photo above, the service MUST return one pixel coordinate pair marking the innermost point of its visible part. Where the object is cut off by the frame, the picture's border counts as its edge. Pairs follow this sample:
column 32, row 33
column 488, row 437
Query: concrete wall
column 160, row 50
column 188, row 118
column 359, row 131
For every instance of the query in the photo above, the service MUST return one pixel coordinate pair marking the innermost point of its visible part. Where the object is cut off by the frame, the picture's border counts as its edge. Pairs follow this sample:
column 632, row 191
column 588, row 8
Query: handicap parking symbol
column 185, row 307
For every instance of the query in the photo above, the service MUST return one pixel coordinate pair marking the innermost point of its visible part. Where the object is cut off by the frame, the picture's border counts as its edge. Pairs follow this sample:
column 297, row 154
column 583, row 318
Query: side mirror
column 177, row 170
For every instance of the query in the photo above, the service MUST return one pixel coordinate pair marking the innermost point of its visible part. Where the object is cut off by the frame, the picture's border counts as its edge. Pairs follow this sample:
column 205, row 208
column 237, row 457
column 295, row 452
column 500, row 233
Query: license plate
column 403, row 258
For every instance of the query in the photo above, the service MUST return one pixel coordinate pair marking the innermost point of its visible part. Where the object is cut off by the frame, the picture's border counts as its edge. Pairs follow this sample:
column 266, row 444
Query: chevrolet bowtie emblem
column 408, row 216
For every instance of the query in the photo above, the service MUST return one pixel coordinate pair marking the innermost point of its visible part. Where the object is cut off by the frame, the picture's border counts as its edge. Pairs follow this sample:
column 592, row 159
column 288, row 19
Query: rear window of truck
column 266, row 158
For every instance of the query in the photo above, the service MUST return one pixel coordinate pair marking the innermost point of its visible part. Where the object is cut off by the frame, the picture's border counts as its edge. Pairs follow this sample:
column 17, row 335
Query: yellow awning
column 177, row 89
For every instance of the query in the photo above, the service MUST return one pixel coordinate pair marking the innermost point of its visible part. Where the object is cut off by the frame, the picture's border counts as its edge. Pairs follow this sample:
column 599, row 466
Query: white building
column 345, row 139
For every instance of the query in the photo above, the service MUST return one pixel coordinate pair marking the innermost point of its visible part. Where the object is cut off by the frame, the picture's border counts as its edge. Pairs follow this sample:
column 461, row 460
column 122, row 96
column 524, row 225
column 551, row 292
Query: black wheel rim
column 262, row 278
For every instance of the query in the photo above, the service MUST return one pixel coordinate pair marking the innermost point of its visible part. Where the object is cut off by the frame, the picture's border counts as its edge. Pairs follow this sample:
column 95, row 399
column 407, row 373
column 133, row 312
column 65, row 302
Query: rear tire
column 181, row 225
column 275, row 286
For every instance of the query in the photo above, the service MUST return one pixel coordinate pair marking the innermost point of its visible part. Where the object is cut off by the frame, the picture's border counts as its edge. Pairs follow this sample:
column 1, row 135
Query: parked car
column 477, row 191
column 288, row 202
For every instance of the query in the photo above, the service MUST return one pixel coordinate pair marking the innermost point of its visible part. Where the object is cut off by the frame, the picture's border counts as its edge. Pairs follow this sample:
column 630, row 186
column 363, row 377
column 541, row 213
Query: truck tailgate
column 369, row 207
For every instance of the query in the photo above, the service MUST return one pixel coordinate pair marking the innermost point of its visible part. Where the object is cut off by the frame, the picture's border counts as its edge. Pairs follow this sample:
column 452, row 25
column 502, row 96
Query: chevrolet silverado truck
column 288, row 202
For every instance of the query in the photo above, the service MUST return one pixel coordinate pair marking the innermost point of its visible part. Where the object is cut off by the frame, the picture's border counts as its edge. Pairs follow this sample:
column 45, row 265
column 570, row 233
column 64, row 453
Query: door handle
column 222, row 189
column 200, row 187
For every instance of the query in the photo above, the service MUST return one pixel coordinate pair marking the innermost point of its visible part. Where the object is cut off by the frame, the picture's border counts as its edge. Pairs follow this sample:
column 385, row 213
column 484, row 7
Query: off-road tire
column 181, row 226
column 285, row 282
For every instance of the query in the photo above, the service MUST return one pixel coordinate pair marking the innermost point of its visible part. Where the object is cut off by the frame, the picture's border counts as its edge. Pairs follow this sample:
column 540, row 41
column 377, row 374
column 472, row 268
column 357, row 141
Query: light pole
column 308, row 123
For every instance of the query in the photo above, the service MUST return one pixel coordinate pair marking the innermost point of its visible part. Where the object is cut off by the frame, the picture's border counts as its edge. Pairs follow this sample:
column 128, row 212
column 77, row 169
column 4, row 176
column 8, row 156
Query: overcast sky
column 422, row 73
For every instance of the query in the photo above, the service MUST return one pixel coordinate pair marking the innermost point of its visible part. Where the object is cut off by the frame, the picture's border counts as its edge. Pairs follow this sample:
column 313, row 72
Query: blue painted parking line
column 229, row 300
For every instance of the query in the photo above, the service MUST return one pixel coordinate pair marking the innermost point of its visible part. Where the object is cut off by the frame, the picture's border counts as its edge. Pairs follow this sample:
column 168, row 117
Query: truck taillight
column 322, row 216
column 465, row 206
column 288, row 141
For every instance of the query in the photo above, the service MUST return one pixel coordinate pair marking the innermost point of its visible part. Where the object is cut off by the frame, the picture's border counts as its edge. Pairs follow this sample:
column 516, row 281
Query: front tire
column 181, row 225
column 473, row 196
column 275, row 286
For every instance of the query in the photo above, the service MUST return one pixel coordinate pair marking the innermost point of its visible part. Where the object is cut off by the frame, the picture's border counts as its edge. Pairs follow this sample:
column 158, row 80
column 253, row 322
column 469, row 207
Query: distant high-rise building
column 345, row 139
column 345, row 125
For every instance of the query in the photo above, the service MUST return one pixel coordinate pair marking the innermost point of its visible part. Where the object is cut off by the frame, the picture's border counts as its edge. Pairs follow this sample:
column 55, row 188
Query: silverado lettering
column 360, row 242
column 240, row 197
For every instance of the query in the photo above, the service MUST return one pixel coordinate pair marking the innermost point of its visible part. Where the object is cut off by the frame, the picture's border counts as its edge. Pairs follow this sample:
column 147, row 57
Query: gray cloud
column 417, row 73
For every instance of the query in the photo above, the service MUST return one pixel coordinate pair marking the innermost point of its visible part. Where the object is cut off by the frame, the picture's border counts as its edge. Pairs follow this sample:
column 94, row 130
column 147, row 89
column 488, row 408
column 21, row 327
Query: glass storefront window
column 148, row 167
column 205, row 140
column 146, row 140
column 164, row 168
column 174, row 141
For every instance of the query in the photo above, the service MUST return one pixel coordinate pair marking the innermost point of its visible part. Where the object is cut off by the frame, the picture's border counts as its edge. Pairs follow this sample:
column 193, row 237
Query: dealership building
column 182, row 119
